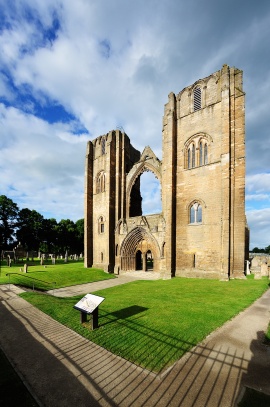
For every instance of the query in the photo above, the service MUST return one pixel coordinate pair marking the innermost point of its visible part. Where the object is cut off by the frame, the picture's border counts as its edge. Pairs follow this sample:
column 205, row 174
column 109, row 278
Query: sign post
column 89, row 305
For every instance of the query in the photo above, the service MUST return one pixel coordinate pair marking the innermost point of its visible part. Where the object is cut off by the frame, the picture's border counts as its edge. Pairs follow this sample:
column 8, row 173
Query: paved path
column 100, row 285
column 61, row 368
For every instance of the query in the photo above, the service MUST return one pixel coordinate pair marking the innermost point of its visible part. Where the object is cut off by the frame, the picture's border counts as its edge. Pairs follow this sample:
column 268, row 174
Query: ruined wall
column 201, row 231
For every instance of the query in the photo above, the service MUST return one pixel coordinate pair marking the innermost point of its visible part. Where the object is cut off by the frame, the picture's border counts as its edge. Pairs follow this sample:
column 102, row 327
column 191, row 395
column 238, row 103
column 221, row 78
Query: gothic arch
column 139, row 239
column 148, row 162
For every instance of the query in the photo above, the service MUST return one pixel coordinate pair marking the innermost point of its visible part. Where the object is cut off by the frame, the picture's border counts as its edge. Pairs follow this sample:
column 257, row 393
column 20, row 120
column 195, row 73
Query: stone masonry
column 201, row 231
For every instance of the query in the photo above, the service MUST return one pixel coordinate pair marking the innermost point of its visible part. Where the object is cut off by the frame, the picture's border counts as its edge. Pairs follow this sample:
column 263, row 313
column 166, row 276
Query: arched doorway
column 138, row 248
column 138, row 260
column 149, row 261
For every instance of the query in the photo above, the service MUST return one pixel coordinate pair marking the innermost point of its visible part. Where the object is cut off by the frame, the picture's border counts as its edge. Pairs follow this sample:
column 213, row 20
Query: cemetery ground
column 48, row 276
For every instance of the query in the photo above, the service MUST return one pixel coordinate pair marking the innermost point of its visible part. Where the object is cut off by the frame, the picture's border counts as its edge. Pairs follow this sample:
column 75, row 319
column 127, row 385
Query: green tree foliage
column 29, row 229
column 80, row 234
column 8, row 220
column 66, row 232
column 257, row 250
column 35, row 232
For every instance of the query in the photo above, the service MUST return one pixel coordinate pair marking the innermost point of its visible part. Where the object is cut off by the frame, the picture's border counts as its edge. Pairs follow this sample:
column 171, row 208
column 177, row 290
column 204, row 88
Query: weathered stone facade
column 201, row 231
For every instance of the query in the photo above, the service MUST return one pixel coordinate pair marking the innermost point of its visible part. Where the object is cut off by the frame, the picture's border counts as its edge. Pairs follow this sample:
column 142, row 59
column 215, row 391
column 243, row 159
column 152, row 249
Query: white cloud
column 259, row 224
column 113, row 64
column 43, row 164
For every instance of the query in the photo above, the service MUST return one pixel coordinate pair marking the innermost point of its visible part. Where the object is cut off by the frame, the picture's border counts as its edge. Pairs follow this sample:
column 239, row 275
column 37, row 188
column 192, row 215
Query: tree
column 8, row 220
column 49, row 236
column 66, row 233
column 80, row 235
column 30, row 228
column 257, row 250
column 267, row 250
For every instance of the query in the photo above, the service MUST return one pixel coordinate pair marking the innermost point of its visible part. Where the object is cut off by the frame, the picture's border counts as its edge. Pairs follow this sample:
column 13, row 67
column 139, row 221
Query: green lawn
column 153, row 323
column 43, row 276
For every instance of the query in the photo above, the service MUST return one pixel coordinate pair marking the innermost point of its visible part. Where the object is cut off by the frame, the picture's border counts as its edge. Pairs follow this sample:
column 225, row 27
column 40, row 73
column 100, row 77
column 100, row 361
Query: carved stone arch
column 196, row 200
column 195, row 139
column 139, row 239
column 198, row 136
column 148, row 162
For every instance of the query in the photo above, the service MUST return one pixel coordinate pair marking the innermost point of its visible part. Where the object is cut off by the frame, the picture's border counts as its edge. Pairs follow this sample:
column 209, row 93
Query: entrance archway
column 138, row 247
column 138, row 260
column 149, row 261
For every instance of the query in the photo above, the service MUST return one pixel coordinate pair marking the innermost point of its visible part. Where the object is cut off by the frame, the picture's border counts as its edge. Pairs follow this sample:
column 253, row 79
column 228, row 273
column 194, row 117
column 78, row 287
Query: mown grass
column 43, row 276
column 153, row 323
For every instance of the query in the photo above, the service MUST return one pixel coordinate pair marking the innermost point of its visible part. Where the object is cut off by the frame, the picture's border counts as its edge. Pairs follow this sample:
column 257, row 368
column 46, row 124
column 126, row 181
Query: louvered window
column 197, row 99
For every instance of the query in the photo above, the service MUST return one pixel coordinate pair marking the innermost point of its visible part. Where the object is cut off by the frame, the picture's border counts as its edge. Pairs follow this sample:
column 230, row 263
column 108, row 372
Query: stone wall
column 201, row 231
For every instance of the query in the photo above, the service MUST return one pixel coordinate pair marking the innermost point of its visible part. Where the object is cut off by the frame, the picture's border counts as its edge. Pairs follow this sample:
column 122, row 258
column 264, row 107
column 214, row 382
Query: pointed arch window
column 195, row 213
column 100, row 182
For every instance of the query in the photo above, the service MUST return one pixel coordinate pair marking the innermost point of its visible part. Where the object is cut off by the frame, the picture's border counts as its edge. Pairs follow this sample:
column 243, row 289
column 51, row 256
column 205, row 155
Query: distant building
column 201, row 231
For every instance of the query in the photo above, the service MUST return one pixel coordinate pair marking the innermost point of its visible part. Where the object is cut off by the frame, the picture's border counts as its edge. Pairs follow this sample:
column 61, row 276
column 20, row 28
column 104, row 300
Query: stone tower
column 201, row 229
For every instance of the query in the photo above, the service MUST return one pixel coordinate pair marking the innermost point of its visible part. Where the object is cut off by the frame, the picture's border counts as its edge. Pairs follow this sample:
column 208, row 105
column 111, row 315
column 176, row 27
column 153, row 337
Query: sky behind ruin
column 74, row 70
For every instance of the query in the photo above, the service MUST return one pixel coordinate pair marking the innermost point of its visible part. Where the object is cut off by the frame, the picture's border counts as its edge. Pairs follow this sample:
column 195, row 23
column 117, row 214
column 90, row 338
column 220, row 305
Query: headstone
column 264, row 268
column 25, row 268
column 247, row 270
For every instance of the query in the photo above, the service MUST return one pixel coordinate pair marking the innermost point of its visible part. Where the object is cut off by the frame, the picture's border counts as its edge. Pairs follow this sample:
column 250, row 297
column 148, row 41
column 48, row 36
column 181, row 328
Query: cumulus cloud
column 98, row 65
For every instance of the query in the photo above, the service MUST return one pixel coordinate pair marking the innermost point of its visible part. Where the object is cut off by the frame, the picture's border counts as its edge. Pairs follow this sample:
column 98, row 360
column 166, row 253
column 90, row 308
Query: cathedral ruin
column 201, row 229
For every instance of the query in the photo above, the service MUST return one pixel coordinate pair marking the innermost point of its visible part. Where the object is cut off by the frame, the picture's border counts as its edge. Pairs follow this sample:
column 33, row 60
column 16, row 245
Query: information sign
column 89, row 303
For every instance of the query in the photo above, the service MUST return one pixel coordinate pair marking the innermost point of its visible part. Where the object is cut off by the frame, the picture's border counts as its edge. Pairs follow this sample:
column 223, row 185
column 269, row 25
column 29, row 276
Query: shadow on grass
column 124, row 313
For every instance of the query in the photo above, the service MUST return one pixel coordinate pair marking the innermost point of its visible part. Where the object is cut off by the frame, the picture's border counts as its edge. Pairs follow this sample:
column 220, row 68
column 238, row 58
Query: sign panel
column 89, row 303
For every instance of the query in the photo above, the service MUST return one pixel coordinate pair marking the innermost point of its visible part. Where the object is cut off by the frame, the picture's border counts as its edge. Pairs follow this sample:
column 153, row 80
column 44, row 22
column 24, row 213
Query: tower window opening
column 197, row 99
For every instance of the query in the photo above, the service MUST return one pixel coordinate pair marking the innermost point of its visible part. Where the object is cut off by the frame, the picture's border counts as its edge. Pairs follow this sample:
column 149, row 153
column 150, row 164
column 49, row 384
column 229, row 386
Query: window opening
column 100, row 185
column 103, row 145
column 199, row 214
column 101, row 257
column 201, row 153
column 197, row 99
column 101, row 225
column 149, row 260
column 189, row 158
column 195, row 213
column 145, row 196
column 193, row 155
column 205, row 154
column 192, row 214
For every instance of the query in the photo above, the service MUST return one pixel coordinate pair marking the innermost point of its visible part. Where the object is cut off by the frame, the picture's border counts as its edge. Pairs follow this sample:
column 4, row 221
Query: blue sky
column 73, row 70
